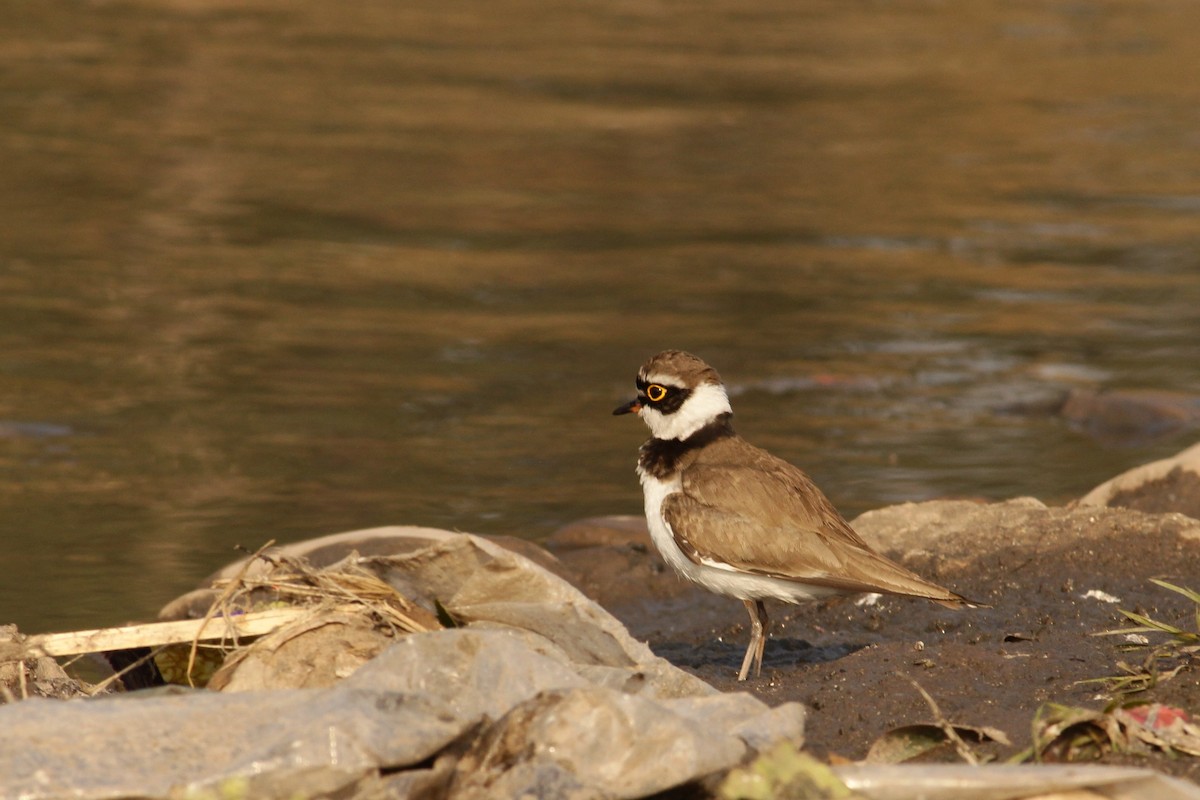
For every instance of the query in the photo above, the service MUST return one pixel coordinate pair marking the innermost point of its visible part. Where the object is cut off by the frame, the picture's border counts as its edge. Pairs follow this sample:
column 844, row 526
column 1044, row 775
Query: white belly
column 712, row 574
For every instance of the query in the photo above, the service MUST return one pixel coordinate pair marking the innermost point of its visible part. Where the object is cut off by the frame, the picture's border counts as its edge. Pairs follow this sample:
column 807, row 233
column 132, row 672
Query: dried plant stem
column 220, row 604
column 961, row 747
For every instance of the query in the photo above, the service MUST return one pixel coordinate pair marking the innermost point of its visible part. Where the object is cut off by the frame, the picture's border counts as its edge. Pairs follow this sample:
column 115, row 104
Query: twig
column 220, row 602
column 964, row 752
column 104, row 684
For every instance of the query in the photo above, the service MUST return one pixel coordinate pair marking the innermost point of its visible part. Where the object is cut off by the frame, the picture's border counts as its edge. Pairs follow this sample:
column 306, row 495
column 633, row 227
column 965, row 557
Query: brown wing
column 765, row 516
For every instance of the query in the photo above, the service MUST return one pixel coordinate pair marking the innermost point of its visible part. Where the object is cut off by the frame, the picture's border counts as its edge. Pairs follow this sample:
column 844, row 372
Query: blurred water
column 274, row 272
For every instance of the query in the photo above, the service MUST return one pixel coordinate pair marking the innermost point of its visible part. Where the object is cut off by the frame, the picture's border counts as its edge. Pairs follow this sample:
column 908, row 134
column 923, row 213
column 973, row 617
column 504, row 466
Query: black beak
column 632, row 407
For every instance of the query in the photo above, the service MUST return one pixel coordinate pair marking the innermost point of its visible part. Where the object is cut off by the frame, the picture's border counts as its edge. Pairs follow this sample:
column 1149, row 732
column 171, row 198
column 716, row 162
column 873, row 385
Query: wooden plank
column 151, row 634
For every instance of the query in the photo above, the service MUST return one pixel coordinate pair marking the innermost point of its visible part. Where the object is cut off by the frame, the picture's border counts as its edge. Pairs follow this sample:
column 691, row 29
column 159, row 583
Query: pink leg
column 758, row 638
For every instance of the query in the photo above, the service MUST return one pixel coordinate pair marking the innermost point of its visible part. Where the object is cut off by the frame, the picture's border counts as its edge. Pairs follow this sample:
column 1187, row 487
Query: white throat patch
column 706, row 402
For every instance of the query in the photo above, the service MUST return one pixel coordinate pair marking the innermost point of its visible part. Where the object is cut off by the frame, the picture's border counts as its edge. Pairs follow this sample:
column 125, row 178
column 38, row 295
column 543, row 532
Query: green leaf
column 1190, row 594
column 1152, row 624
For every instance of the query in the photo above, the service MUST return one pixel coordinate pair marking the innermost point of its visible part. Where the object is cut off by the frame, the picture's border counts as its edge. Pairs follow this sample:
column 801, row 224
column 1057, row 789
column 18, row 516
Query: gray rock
column 592, row 742
column 543, row 689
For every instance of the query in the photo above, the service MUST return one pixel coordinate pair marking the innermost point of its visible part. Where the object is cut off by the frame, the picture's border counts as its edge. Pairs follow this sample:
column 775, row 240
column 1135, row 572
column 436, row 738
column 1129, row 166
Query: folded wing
column 765, row 516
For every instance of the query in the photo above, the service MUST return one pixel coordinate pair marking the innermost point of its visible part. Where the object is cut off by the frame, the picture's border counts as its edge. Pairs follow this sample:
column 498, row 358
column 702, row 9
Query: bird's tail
column 958, row 601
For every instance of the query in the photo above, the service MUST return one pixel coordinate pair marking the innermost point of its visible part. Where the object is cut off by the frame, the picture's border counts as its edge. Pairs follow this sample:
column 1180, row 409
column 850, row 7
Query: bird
column 739, row 521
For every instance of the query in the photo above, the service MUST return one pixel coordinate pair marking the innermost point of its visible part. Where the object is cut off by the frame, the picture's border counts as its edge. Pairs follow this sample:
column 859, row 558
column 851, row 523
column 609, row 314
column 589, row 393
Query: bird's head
column 677, row 395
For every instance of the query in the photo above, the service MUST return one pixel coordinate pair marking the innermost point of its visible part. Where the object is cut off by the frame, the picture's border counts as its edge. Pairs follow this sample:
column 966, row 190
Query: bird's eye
column 656, row 392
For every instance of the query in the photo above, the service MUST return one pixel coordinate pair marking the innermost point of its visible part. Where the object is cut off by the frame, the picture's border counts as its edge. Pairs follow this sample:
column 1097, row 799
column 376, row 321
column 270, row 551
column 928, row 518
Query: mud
column 1178, row 490
column 854, row 665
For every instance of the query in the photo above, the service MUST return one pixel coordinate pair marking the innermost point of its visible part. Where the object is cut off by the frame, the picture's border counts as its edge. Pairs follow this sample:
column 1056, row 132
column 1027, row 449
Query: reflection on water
column 272, row 273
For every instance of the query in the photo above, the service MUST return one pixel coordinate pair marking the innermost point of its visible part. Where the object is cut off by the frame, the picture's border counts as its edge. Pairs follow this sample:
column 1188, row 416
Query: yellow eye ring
column 656, row 392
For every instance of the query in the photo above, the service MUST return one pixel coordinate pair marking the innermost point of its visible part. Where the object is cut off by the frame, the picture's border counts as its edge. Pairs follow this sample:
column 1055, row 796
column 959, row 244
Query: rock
column 947, row 536
column 395, row 540
column 590, row 742
column 936, row 526
column 618, row 530
column 34, row 677
column 537, row 664
column 1172, row 484
column 266, row 744
column 315, row 651
column 1129, row 416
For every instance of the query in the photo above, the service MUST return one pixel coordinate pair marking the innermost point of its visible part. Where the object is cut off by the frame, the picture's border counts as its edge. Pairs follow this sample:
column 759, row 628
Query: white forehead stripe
column 665, row 380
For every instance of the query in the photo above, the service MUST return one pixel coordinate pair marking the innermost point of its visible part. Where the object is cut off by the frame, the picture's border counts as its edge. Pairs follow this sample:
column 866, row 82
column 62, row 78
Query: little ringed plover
column 739, row 521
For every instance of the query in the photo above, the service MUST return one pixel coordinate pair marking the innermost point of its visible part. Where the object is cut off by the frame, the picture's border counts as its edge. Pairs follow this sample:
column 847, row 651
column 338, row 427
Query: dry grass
column 292, row 581
column 1162, row 659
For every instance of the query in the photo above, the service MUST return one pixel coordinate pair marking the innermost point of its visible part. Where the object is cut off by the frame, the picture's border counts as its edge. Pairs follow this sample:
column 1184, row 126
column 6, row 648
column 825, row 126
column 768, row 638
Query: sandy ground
column 854, row 665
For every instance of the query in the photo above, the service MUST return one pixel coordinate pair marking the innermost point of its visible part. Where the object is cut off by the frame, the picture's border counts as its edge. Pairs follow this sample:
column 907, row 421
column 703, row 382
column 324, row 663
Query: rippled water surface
column 273, row 271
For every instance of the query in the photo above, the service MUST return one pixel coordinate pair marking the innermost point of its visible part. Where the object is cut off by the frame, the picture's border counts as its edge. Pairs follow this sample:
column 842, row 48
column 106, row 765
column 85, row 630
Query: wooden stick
column 152, row 634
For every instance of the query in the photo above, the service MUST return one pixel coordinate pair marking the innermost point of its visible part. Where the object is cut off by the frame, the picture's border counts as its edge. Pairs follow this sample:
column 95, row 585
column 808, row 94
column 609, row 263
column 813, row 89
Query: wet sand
column 852, row 665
